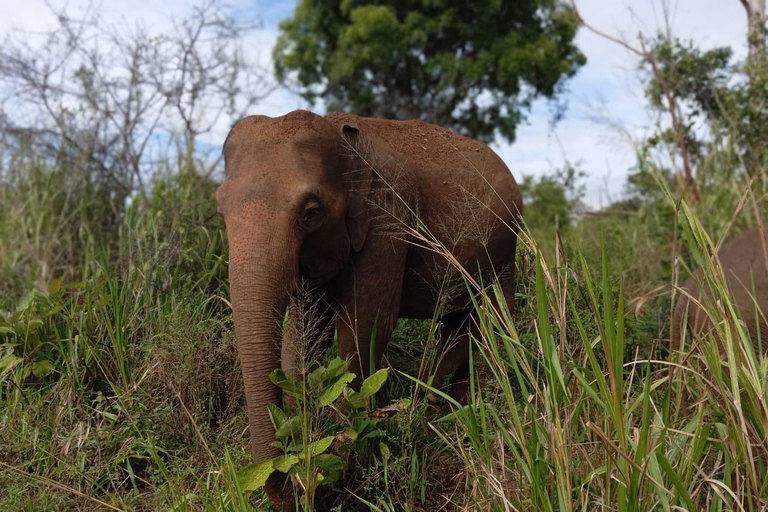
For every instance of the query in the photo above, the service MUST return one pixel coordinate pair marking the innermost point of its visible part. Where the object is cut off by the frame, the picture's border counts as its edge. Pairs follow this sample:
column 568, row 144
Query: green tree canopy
column 474, row 66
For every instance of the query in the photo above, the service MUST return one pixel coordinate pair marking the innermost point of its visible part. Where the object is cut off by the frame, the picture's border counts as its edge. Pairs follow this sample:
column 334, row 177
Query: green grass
column 121, row 387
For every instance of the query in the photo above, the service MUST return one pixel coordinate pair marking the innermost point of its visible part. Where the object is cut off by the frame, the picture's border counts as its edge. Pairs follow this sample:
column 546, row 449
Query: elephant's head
column 293, row 201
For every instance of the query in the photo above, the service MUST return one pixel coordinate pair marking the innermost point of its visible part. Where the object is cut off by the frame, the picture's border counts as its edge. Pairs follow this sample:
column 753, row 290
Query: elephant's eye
column 311, row 212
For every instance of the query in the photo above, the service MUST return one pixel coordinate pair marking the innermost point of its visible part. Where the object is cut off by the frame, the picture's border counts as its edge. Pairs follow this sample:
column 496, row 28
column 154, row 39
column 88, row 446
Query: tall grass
column 121, row 389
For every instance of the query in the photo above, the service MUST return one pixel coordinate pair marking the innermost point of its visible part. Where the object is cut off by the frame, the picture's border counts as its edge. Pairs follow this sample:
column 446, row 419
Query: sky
column 607, row 92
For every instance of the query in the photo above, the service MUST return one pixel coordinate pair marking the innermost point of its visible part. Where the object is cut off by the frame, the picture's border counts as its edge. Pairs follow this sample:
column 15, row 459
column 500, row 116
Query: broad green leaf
column 336, row 367
column 317, row 447
column 254, row 476
column 32, row 326
column 42, row 368
column 355, row 399
column 334, row 390
column 330, row 462
column 55, row 286
column 289, row 427
column 9, row 362
column 373, row 383
column 385, row 453
column 317, row 377
column 277, row 415
column 292, row 387
column 349, row 434
column 284, row 463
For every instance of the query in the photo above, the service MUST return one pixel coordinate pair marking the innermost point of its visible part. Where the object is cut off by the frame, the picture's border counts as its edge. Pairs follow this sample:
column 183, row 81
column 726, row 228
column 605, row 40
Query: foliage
column 723, row 101
column 551, row 199
column 306, row 458
column 472, row 66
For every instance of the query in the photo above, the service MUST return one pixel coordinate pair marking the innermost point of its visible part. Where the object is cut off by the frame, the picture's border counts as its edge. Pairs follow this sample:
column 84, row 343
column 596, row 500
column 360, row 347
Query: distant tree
column 756, row 31
column 727, row 97
column 473, row 66
column 551, row 200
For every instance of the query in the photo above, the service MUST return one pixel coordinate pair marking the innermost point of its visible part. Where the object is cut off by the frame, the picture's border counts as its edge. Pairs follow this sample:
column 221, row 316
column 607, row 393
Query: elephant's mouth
column 314, row 275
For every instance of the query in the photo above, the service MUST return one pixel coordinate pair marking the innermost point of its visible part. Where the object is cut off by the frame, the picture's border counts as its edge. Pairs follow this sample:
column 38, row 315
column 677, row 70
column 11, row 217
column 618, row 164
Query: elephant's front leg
column 369, row 299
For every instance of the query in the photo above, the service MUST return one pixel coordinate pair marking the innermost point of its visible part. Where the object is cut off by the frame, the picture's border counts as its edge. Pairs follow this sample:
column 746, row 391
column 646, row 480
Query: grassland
column 121, row 388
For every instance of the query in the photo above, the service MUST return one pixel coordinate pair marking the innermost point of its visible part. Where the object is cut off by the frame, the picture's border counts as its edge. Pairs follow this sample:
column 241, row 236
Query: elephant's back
column 427, row 146
column 439, row 157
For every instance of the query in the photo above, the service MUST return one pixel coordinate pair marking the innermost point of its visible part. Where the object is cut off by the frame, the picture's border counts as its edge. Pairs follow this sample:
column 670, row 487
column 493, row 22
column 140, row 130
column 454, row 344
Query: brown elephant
column 336, row 202
column 744, row 259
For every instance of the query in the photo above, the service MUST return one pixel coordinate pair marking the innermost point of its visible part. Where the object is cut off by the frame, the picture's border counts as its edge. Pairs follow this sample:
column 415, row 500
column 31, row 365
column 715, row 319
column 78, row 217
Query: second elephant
column 744, row 259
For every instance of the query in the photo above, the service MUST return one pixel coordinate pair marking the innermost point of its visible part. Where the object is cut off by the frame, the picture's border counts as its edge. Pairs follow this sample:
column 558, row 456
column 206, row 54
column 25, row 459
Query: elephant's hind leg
column 458, row 332
column 454, row 356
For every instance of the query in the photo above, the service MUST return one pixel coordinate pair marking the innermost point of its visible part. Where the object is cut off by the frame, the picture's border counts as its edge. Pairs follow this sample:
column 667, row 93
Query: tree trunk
column 756, row 33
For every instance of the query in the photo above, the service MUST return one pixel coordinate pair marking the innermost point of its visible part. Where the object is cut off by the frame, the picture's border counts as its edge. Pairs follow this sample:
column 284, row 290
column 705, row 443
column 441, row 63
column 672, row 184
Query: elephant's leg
column 454, row 355
column 368, row 298
column 459, row 330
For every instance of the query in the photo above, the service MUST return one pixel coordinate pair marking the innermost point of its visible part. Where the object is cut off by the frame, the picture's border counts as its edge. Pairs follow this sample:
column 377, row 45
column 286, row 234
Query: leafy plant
column 317, row 448
column 23, row 337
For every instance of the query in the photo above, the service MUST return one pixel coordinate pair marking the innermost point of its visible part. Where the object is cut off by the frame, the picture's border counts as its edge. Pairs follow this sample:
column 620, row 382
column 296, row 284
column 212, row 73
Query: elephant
column 744, row 260
column 353, row 208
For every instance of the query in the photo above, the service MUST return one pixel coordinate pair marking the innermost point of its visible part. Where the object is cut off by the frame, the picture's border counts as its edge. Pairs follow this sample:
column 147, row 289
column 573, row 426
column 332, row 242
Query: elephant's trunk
column 262, row 274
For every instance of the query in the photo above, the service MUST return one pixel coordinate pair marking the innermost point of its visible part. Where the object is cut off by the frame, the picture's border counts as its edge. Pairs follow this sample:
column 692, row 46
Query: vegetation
column 472, row 66
column 120, row 387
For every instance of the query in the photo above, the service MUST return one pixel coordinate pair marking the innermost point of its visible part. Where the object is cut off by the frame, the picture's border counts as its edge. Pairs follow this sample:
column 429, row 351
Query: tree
column 552, row 199
column 756, row 19
column 728, row 98
column 473, row 66
column 118, row 101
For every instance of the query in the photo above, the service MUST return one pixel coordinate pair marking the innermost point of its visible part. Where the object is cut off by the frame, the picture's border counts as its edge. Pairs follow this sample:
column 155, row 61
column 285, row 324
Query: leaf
column 292, row 387
column 32, row 326
column 374, row 432
column 330, row 462
column 318, row 447
column 289, row 427
column 373, row 383
column 284, row 463
column 277, row 415
column 317, row 377
column 8, row 362
column 336, row 389
column 355, row 399
column 254, row 476
column 26, row 301
column 458, row 414
column 385, row 453
column 42, row 368
column 336, row 367
column 55, row 286
column 348, row 436
column 331, row 477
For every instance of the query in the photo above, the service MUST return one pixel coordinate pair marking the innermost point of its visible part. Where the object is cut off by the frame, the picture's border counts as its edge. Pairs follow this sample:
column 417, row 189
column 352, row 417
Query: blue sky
column 605, row 100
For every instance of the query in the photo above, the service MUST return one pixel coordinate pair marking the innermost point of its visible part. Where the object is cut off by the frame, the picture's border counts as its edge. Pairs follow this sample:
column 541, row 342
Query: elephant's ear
column 358, row 184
